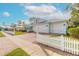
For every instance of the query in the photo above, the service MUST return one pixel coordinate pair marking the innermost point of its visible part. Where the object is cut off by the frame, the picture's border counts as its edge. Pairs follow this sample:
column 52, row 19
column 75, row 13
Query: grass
column 18, row 52
column 1, row 34
column 19, row 32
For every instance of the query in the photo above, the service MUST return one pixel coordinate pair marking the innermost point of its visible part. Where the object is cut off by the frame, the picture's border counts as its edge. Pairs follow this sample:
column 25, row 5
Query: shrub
column 67, row 32
column 74, row 32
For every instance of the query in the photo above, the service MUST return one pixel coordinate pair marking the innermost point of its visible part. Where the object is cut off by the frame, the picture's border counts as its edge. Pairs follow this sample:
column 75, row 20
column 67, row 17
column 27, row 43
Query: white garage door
column 44, row 28
column 58, row 27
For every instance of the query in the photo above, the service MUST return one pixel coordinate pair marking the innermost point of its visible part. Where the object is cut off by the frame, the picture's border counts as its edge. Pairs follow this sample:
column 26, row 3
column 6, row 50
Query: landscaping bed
column 18, row 52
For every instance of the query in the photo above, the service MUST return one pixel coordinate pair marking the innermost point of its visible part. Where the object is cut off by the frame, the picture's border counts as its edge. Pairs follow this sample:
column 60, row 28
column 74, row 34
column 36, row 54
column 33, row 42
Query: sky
column 13, row 12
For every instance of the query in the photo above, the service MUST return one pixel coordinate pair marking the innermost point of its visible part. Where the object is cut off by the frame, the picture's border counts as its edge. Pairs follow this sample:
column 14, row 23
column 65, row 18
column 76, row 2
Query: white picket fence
column 62, row 43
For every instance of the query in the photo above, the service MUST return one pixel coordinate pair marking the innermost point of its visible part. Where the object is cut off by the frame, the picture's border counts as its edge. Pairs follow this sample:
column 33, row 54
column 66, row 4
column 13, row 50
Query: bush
column 74, row 32
column 67, row 32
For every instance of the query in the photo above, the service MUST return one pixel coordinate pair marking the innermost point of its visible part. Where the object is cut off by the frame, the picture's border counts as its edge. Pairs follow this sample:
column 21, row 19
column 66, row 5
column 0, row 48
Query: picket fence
column 62, row 43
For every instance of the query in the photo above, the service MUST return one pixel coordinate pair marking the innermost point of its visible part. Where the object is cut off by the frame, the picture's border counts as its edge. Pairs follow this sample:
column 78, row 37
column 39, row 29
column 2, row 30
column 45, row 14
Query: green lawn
column 18, row 52
column 1, row 34
column 19, row 32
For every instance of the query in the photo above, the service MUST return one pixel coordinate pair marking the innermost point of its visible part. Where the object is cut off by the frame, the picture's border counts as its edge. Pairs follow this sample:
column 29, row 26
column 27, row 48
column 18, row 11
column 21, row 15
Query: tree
column 74, row 20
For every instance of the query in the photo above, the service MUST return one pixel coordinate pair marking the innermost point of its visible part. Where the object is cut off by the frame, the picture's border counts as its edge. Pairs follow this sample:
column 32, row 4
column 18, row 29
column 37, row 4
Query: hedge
column 74, row 32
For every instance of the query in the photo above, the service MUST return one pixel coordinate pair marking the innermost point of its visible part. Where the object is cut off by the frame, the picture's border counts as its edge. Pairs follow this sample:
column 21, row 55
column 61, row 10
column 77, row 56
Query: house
column 6, row 27
column 50, row 27
column 20, row 25
column 56, row 24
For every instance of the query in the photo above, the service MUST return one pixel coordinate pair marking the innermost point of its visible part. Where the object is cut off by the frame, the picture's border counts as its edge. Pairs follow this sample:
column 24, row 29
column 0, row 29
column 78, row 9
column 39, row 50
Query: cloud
column 39, row 11
column 44, row 11
column 43, row 8
column 6, row 14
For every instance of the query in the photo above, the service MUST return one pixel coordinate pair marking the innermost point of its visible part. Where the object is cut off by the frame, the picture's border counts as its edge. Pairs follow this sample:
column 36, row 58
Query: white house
column 56, row 24
column 20, row 25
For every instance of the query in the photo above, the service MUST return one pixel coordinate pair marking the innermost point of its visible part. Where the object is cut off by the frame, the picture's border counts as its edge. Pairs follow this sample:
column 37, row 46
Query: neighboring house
column 6, row 27
column 21, row 25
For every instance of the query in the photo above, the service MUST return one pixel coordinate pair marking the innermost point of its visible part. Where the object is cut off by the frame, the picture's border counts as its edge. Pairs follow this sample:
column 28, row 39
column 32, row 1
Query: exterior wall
column 58, row 27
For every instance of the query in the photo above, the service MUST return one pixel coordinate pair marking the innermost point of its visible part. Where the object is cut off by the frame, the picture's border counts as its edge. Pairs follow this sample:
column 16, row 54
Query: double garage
column 58, row 27
column 53, row 27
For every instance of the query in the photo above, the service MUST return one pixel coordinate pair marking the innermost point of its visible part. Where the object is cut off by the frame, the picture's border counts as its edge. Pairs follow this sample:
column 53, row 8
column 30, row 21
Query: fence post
column 62, row 43
column 69, row 45
column 78, row 48
column 65, row 43
column 77, row 52
column 74, row 47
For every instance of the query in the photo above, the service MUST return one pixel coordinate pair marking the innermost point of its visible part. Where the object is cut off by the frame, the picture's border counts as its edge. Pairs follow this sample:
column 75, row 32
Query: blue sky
column 12, row 12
